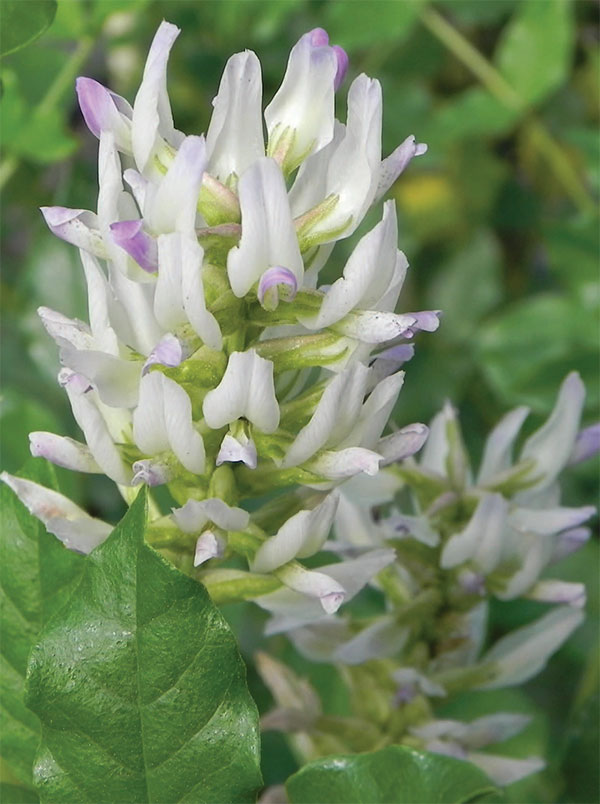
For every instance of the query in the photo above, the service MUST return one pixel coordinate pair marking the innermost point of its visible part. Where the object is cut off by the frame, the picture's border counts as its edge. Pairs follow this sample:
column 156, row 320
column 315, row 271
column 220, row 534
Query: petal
column 552, row 445
column 268, row 233
column 301, row 536
column 174, row 205
column 314, row 584
column 235, row 135
column 381, row 640
column 549, row 591
column 569, row 541
column 276, row 282
column 300, row 116
column 481, row 539
column 72, row 525
column 77, row 226
column 346, row 463
column 234, row 449
column 116, row 380
column 587, row 444
column 193, row 516
column 402, row 444
column 208, row 546
column 63, row 329
column 396, row 163
column 63, row 451
column 505, row 770
column 246, row 390
column 167, row 352
column 185, row 441
column 523, row 653
column 151, row 111
column 499, row 445
column 102, row 110
column 152, row 473
column 550, row 520
column 130, row 236
column 192, row 290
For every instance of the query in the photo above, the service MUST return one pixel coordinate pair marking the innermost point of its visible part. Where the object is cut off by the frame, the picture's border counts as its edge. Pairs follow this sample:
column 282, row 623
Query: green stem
column 497, row 85
column 56, row 90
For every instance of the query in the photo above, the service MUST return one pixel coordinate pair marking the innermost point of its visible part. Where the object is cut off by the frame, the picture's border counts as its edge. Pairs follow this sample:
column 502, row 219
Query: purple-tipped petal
column 587, row 444
column 76, row 226
column 276, row 283
column 130, row 236
column 150, row 472
column 167, row 352
column 73, row 381
column 102, row 110
column 342, row 66
column 396, row 163
column 208, row 546
column 568, row 542
column 63, row 451
column 318, row 37
column 426, row 321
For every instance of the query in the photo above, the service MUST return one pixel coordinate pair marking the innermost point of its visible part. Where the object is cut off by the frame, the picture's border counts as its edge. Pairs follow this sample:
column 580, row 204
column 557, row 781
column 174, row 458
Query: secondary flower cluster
column 213, row 363
column 461, row 538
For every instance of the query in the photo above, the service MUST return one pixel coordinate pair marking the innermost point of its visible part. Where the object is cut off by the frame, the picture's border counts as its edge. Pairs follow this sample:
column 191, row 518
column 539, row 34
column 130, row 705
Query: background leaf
column 536, row 48
column 23, row 22
column 140, row 688
column 394, row 775
column 36, row 577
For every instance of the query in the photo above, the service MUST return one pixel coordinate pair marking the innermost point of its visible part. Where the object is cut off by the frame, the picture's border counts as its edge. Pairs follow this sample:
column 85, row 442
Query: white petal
column 192, row 291
column 346, row 463
column 98, row 437
column 194, row 515
column 301, row 536
column 505, row 770
column 403, row 443
column 550, row 520
column 235, row 135
column 268, row 233
column 98, row 291
column 552, row 445
column 116, row 380
column 186, row 442
column 435, row 452
column 376, row 411
column 382, row 639
column 482, row 533
column 62, row 329
column 71, row 524
column 151, row 110
column 499, row 444
column 559, row 592
column 311, row 583
column 77, row 226
column 174, row 205
column 416, row 526
column 233, row 450
column 149, row 428
column 246, row 390
column 375, row 326
column 63, row 451
column 304, row 102
column 208, row 546
column 393, row 165
column 523, row 653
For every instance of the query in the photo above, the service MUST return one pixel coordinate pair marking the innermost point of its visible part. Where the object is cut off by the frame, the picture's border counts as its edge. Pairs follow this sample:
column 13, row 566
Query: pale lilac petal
column 550, row 520
column 77, row 226
column 194, row 515
column 425, row 321
column 130, row 236
column 71, row 381
column 396, row 163
column 63, row 451
column 276, row 283
column 587, row 444
column 233, row 450
column 167, row 352
column 208, row 546
column 342, row 66
column 402, row 444
column 503, row 770
column 151, row 472
column 549, row 591
column 102, row 110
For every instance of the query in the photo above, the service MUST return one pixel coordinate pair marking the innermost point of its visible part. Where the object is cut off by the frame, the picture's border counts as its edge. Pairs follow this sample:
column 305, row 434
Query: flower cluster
column 460, row 538
column 213, row 363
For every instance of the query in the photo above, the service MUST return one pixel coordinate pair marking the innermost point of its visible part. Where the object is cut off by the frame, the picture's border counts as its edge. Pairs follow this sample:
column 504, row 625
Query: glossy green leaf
column 535, row 51
column 23, row 22
column 36, row 577
column 140, row 687
column 394, row 775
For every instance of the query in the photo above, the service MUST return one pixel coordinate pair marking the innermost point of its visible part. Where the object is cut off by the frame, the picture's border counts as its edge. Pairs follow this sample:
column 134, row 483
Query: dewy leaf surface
column 394, row 775
column 37, row 575
column 140, row 688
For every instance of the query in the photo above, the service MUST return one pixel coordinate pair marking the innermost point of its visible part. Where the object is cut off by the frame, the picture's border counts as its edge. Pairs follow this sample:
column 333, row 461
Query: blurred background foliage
column 499, row 221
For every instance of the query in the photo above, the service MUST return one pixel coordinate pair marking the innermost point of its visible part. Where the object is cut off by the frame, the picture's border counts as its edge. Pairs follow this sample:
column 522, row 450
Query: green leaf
column 23, row 22
column 140, row 687
column 355, row 25
column 14, row 794
column 535, row 51
column 394, row 775
column 36, row 577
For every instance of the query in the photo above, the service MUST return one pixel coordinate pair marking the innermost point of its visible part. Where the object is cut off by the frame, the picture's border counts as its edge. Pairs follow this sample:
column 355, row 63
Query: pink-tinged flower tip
column 96, row 104
column 150, row 472
column 208, row 546
column 318, row 37
column 587, row 444
column 73, row 381
column 342, row 66
column 58, row 216
column 331, row 602
column 130, row 236
column 276, row 284
column 167, row 352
